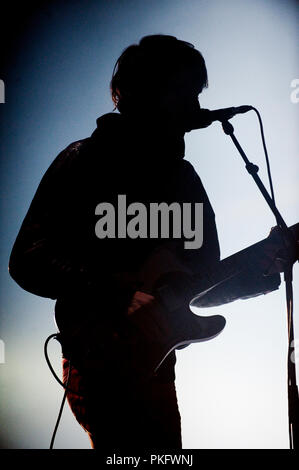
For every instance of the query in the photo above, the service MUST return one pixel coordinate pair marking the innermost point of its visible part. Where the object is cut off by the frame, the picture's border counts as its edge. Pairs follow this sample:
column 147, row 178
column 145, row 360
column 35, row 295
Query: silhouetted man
column 95, row 274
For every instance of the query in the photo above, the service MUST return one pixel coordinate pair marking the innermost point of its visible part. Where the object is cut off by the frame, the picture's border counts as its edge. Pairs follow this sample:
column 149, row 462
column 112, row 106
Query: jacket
column 57, row 253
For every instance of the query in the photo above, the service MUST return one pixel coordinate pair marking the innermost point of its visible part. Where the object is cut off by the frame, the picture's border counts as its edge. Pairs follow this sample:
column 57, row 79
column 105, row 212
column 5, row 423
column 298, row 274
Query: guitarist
column 138, row 152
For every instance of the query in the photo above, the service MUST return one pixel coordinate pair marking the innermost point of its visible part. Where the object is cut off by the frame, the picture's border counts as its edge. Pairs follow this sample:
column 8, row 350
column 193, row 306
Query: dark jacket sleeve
column 49, row 257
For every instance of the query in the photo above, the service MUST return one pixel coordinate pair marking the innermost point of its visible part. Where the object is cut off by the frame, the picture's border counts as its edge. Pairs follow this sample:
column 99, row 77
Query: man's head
column 161, row 76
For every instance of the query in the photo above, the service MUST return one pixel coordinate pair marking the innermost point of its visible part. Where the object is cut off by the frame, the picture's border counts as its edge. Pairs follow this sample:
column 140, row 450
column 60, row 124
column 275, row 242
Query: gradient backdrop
column 232, row 390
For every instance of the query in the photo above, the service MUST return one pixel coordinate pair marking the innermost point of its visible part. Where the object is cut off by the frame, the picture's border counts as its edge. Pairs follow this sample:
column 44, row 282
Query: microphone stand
column 290, row 245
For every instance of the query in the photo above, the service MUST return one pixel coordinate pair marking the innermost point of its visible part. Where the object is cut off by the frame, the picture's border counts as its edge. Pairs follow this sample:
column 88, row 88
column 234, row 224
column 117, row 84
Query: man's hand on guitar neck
column 279, row 255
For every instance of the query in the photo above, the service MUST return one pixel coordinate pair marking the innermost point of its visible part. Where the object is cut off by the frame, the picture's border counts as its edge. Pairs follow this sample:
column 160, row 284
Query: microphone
column 205, row 117
column 227, row 113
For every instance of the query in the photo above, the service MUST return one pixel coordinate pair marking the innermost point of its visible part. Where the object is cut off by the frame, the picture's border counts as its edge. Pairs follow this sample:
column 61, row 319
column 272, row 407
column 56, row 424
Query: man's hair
column 144, row 71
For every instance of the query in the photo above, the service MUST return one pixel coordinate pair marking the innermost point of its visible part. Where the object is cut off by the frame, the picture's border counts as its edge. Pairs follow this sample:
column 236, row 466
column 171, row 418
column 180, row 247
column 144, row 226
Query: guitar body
column 162, row 330
column 147, row 337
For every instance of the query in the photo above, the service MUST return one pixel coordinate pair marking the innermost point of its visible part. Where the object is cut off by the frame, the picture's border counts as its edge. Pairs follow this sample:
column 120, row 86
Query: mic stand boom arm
column 290, row 244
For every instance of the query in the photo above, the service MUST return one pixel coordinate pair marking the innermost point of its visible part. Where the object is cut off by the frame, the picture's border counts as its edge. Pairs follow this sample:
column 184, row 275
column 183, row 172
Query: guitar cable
column 64, row 385
column 61, row 408
column 265, row 152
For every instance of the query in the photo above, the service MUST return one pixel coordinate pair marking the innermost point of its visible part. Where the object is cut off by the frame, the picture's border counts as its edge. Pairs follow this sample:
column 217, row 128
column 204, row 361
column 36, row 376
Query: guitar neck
column 253, row 258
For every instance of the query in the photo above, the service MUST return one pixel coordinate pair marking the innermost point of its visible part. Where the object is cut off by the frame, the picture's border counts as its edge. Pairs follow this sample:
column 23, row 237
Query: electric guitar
column 156, row 329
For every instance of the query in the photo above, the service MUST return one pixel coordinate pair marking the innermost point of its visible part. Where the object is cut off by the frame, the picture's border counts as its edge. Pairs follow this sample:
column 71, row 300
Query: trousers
column 117, row 415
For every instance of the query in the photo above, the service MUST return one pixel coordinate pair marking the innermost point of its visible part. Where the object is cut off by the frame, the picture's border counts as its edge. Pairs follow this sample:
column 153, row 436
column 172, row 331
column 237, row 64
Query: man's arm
column 49, row 258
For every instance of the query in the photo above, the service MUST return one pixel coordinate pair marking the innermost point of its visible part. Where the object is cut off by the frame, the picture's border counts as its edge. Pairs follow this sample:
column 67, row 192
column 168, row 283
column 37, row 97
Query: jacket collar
column 141, row 132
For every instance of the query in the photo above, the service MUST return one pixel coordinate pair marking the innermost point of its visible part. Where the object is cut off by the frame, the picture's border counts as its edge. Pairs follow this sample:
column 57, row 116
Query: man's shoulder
column 72, row 150
column 75, row 146
column 68, row 157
